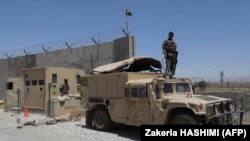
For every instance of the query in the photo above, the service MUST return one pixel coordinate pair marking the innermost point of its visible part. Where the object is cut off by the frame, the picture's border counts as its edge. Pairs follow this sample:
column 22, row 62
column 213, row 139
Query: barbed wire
column 106, row 37
column 227, row 81
column 63, row 44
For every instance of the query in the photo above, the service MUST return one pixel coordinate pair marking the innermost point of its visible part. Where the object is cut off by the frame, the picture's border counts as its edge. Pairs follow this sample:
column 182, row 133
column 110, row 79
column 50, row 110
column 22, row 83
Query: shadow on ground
column 125, row 131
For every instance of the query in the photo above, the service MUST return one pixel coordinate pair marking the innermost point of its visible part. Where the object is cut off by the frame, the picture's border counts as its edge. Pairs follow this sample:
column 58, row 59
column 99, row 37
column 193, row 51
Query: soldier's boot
column 174, row 67
column 170, row 74
column 173, row 72
column 166, row 72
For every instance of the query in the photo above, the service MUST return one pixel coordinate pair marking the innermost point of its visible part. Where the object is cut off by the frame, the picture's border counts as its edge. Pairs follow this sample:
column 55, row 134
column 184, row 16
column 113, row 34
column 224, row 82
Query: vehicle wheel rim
column 100, row 120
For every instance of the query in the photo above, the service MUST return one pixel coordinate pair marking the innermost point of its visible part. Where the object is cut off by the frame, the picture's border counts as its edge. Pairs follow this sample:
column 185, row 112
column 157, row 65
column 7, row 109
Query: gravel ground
column 64, row 131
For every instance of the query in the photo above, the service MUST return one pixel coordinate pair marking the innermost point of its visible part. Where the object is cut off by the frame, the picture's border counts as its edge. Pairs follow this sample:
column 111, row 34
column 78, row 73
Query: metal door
column 34, row 89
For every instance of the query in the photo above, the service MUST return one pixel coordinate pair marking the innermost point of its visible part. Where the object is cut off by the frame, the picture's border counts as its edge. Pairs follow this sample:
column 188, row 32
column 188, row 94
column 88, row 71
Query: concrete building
column 82, row 57
column 43, row 83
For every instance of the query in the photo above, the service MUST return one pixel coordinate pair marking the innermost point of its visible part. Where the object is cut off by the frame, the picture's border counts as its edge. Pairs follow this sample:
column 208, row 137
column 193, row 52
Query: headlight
column 200, row 106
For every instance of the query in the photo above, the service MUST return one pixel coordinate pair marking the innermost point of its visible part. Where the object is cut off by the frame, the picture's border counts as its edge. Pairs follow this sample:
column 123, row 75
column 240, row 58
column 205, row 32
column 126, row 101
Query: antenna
column 163, row 65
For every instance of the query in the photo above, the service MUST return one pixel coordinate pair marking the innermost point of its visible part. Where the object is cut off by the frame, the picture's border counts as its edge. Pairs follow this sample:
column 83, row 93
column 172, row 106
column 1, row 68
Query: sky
column 212, row 36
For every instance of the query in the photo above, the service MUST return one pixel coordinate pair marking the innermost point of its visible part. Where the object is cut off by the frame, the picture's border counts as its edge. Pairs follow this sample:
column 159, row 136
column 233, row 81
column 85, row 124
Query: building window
column 34, row 82
column 9, row 86
column 78, row 79
column 54, row 78
column 41, row 82
column 27, row 82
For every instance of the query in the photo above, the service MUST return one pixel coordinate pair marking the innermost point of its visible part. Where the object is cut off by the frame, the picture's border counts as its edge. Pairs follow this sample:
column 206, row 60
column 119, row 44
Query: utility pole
column 221, row 78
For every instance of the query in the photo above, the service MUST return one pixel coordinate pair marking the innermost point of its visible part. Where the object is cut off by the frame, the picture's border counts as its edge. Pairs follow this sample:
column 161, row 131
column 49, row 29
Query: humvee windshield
column 182, row 87
column 179, row 87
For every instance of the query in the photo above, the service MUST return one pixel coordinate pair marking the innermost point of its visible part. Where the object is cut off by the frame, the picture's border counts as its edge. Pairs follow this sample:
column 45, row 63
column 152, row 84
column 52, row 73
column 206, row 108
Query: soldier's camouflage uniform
column 64, row 89
column 170, row 53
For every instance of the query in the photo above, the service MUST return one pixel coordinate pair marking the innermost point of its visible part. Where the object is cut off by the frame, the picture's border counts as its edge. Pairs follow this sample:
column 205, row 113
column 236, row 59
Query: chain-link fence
column 69, row 43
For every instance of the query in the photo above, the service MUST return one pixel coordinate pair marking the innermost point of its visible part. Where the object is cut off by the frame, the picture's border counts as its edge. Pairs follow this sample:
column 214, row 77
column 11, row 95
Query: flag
column 128, row 13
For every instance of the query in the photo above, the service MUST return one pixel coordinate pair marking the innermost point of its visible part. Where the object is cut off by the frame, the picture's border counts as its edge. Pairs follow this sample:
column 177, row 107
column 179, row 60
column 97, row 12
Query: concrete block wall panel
column 30, row 61
column 132, row 46
column 85, row 57
column 40, row 59
column 3, row 78
column 102, row 54
column 15, row 66
column 123, row 48
column 76, row 58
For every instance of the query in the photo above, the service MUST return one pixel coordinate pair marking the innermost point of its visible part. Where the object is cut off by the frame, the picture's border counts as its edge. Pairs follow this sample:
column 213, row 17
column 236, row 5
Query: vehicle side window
column 157, row 88
column 168, row 88
column 143, row 92
column 127, row 92
column 134, row 92
column 140, row 92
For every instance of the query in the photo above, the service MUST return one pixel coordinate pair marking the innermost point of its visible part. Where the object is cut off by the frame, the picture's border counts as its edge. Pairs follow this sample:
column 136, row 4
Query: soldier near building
column 170, row 53
column 64, row 88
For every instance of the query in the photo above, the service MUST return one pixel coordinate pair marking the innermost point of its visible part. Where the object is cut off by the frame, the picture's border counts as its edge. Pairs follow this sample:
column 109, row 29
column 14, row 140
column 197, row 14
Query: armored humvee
column 126, row 92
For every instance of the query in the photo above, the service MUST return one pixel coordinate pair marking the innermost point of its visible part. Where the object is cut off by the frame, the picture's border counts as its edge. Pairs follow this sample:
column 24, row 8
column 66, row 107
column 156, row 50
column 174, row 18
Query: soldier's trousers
column 170, row 65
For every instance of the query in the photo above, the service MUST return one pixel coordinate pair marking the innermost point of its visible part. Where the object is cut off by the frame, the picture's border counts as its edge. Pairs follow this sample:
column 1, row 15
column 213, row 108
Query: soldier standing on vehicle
column 170, row 52
column 64, row 88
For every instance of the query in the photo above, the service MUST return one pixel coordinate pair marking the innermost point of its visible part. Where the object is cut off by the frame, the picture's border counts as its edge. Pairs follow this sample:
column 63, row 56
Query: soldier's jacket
column 64, row 89
column 169, row 46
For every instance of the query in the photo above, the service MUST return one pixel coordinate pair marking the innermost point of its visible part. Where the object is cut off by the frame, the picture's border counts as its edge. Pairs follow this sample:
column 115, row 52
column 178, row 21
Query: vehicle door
column 138, row 103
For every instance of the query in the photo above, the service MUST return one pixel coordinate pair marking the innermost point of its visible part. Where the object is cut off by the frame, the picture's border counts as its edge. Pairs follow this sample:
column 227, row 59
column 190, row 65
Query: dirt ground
column 69, row 131
column 246, row 118
column 73, row 130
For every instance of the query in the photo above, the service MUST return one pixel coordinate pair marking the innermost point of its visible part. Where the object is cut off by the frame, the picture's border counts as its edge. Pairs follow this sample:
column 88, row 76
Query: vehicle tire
column 183, row 119
column 88, row 119
column 102, row 120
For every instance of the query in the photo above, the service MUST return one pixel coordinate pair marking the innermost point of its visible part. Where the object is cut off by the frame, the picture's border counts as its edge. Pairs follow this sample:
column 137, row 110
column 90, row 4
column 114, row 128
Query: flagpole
column 128, row 13
column 127, row 23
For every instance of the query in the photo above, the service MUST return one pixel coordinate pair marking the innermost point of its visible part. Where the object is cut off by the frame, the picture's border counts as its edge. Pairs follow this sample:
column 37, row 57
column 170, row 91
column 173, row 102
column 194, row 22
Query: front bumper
column 225, row 112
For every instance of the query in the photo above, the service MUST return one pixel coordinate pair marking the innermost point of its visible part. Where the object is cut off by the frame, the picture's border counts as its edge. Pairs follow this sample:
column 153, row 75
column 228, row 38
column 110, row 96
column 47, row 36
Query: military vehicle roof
column 133, row 64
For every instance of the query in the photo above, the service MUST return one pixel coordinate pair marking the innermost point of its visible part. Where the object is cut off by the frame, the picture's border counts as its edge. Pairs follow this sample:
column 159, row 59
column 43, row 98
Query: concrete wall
column 85, row 57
